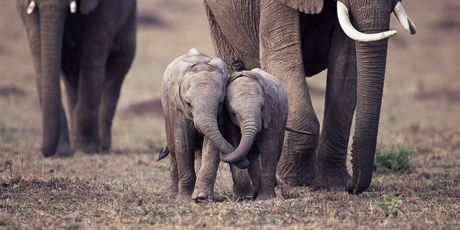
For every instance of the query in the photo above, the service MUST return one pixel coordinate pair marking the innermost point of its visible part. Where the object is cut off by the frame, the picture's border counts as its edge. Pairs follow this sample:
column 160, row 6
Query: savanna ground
column 125, row 189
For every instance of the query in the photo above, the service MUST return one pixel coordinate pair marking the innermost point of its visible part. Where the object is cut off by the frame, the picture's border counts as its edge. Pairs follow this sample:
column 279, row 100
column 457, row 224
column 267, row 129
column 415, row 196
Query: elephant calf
column 192, row 95
column 254, row 120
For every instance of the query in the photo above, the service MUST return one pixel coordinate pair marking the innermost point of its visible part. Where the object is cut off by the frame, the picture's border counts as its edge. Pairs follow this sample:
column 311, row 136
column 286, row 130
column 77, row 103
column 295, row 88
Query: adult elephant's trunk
column 371, row 63
column 248, row 132
column 52, row 18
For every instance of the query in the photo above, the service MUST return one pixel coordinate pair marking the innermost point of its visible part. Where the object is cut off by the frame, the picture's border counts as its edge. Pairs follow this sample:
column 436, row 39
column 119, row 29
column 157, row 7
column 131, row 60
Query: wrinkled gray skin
column 192, row 95
column 254, row 120
column 274, row 35
column 93, row 49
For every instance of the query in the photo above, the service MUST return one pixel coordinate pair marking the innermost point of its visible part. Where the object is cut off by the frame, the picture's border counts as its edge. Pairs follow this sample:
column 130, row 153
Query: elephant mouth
column 345, row 22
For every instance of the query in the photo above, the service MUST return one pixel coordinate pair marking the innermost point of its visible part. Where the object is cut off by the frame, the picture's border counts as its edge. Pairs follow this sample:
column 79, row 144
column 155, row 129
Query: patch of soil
column 11, row 91
column 447, row 95
column 150, row 19
column 145, row 108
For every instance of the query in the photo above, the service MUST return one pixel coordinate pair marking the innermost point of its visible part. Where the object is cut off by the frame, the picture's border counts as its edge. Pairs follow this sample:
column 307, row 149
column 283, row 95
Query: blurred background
column 421, row 110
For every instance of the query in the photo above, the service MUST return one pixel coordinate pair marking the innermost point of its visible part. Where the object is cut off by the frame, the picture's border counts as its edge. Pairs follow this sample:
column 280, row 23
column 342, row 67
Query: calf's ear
column 87, row 6
column 305, row 6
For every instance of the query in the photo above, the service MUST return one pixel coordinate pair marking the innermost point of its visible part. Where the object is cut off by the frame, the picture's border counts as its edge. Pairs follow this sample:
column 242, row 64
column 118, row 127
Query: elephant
column 255, row 117
column 92, row 43
column 192, row 94
column 294, row 39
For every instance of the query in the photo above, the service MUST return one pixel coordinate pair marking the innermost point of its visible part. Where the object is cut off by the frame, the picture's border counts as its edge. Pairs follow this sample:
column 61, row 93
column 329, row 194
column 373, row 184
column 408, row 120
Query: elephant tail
column 164, row 152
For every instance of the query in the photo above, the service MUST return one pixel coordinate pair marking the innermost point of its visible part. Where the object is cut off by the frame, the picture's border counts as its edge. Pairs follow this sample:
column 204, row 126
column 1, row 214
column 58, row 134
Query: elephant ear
column 87, row 6
column 305, row 6
column 275, row 96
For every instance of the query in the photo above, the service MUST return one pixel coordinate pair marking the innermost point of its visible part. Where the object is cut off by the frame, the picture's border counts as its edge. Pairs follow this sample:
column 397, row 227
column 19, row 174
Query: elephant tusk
column 31, row 7
column 405, row 21
column 73, row 6
column 350, row 31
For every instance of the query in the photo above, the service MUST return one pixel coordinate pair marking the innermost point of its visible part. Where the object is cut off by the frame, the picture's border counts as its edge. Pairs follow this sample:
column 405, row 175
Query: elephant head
column 367, row 23
column 200, row 92
column 252, row 103
column 45, row 20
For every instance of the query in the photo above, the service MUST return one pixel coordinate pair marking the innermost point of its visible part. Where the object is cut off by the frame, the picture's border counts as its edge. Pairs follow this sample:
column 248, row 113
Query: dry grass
column 125, row 189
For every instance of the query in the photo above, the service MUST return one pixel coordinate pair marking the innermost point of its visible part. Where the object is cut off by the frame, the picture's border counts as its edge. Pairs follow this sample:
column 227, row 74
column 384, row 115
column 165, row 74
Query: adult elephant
column 292, row 39
column 92, row 42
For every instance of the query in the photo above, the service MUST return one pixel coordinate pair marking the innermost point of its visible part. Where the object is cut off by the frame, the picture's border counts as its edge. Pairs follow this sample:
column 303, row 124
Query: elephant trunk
column 248, row 132
column 209, row 127
column 371, row 64
column 52, row 18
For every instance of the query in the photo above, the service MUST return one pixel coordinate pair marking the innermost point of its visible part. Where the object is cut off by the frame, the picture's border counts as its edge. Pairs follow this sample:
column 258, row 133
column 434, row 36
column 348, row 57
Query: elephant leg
column 185, row 142
column 280, row 55
column 269, row 154
column 338, row 115
column 254, row 172
column 64, row 148
column 173, row 173
column 223, row 48
column 204, row 187
column 242, row 187
column 86, row 113
column 118, row 65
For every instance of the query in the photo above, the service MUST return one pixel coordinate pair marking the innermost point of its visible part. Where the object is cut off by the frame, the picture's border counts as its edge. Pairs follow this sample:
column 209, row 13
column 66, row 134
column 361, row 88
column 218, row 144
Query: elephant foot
column 106, row 143
column 242, row 192
column 89, row 148
column 64, row 150
column 331, row 177
column 266, row 195
column 202, row 195
column 184, row 196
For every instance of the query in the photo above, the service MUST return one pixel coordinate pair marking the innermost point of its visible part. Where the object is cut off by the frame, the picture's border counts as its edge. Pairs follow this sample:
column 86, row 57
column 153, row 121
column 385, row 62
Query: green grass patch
column 393, row 159
column 391, row 205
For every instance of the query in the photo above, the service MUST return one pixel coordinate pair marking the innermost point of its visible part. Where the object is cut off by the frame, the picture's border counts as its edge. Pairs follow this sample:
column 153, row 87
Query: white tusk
column 405, row 21
column 350, row 31
column 31, row 7
column 73, row 7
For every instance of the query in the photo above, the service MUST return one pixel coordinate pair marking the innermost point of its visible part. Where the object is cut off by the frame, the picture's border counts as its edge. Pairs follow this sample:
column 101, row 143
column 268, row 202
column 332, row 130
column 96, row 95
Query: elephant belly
column 239, row 22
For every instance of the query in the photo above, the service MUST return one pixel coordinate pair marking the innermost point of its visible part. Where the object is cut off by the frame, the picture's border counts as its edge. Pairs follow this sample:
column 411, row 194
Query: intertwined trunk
column 52, row 18
column 248, row 132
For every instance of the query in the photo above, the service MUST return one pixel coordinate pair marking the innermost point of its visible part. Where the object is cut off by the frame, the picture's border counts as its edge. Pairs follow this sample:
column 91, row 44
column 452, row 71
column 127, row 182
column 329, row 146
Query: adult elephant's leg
column 204, row 187
column 338, row 115
column 280, row 55
column 92, row 73
column 223, row 48
column 118, row 66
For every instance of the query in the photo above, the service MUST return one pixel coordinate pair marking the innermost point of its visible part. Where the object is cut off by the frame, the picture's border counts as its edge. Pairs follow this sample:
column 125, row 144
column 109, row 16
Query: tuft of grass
column 391, row 205
column 393, row 159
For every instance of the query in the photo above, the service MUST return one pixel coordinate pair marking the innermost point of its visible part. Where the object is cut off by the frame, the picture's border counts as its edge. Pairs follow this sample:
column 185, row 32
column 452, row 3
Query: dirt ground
column 125, row 189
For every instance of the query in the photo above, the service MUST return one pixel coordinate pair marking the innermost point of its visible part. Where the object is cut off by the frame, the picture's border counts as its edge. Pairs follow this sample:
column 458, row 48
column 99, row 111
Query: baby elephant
column 192, row 95
column 254, row 120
